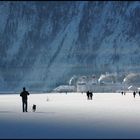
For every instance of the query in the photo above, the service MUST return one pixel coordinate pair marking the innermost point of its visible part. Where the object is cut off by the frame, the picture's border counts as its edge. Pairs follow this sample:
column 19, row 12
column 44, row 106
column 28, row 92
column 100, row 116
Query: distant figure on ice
column 139, row 93
column 24, row 95
column 123, row 93
column 88, row 95
column 134, row 94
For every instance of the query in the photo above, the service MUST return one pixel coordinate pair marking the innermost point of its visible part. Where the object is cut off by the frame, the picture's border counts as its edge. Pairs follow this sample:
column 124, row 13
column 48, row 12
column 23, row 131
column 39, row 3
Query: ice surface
column 60, row 115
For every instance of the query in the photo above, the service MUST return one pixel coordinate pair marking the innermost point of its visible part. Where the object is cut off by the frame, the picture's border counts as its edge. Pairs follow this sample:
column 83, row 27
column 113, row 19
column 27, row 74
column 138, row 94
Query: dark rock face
column 43, row 44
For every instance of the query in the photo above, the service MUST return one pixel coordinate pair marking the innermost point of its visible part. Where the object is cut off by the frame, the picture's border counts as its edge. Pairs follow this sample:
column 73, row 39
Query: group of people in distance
column 24, row 94
column 134, row 93
column 89, row 95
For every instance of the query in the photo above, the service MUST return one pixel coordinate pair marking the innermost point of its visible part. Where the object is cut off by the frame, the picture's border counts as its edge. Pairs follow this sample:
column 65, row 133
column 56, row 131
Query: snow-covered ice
column 60, row 115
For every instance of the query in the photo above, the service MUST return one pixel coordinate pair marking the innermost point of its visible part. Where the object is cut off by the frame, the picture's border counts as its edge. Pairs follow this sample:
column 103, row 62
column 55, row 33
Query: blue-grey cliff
column 43, row 44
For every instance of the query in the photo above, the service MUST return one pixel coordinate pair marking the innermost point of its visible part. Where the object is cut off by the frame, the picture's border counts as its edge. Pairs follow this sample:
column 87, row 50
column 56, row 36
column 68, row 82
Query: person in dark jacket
column 24, row 95
column 134, row 94
column 90, row 94
column 139, row 93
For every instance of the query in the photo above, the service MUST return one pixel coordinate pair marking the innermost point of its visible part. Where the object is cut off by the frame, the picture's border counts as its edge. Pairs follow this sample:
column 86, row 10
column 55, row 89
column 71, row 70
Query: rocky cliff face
column 43, row 44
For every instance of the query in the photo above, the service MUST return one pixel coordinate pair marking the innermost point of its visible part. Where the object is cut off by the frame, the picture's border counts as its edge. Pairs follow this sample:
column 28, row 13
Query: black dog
column 34, row 108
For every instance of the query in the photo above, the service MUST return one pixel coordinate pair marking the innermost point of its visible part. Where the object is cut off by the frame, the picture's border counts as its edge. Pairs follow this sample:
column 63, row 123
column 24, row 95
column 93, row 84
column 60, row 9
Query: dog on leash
column 34, row 108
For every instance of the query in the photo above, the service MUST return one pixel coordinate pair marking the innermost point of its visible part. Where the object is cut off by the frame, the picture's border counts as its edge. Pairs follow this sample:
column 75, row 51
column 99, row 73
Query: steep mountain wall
column 45, row 43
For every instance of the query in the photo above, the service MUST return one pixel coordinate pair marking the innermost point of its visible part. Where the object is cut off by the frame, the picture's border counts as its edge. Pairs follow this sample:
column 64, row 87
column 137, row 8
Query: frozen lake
column 108, row 115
